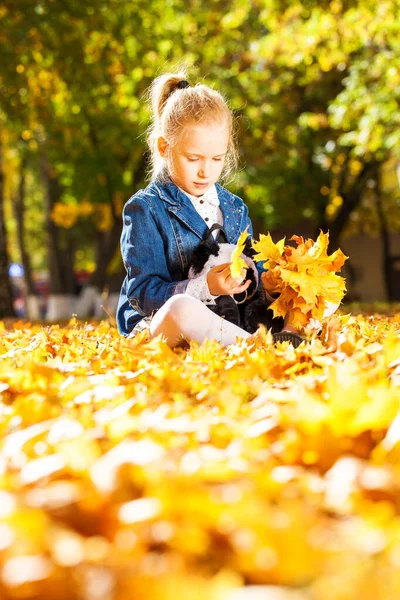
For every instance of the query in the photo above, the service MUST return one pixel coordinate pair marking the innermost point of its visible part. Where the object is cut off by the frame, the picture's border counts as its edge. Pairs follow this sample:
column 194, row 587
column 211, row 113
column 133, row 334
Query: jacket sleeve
column 198, row 288
column 149, row 283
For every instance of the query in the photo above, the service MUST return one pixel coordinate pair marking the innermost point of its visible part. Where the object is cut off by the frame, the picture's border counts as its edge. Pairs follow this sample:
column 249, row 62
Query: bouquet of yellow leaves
column 305, row 277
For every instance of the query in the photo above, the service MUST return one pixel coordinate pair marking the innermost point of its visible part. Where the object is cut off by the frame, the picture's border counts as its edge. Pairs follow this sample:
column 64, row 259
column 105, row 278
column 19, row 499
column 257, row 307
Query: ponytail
column 161, row 89
column 174, row 104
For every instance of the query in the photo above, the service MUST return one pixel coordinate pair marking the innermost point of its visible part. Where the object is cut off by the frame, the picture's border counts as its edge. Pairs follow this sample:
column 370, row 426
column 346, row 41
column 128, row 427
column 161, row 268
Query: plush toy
column 250, row 308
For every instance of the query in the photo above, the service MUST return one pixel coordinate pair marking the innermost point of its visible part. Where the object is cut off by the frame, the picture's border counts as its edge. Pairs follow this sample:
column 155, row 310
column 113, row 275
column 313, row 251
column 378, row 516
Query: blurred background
column 315, row 87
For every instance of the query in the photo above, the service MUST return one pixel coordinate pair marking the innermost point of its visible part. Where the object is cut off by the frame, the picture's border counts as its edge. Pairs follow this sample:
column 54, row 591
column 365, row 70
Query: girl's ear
column 162, row 145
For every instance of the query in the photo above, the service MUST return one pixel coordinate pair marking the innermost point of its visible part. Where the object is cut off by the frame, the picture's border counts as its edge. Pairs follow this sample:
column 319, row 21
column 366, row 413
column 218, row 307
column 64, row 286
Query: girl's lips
column 201, row 184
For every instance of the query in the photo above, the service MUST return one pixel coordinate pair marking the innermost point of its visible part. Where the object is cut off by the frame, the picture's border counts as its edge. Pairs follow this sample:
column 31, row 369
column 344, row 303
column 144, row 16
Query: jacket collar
column 181, row 206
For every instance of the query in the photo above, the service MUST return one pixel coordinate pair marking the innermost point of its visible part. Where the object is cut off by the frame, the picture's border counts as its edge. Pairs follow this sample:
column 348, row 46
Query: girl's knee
column 182, row 306
column 173, row 319
column 174, row 314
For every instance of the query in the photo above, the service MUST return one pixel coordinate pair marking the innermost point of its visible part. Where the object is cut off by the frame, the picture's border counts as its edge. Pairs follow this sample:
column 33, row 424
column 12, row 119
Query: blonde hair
column 175, row 107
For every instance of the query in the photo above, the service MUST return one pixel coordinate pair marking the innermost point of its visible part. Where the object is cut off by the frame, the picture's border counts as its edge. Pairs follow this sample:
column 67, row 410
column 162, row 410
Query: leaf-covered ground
column 133, row 472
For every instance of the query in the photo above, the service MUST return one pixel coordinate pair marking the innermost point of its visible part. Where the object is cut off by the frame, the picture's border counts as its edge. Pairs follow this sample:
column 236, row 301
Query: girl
column 192, row 146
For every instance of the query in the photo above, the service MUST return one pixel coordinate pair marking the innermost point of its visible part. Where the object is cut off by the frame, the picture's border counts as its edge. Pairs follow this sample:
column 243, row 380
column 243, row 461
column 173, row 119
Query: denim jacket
column 161, row 228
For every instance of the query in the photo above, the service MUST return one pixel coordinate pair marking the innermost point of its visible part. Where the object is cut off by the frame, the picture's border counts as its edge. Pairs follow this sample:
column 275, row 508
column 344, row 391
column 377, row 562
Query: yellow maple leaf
column 305, row 276
column 314, row 253
column 267, row 250
column 298, row 319
column 238, row 264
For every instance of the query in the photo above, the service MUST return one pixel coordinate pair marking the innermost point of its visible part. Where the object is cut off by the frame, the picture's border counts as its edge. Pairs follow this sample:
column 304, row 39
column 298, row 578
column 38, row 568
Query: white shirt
column 208, row 208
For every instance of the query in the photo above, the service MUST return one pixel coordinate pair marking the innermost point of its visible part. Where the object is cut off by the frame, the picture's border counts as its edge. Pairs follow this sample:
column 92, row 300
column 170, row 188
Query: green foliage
column 315, row 86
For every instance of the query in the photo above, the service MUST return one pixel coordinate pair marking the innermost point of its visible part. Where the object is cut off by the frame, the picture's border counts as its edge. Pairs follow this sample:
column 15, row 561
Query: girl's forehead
column 212, row 135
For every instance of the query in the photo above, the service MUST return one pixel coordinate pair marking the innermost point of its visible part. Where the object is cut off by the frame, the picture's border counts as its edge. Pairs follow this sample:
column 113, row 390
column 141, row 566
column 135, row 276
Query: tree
column 6, row 298
column 329, row 115
column 315, row 85
column 19, row 207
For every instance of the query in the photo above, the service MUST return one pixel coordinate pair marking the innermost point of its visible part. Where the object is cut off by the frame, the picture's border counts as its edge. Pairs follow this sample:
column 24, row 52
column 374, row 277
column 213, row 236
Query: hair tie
column 182, row 85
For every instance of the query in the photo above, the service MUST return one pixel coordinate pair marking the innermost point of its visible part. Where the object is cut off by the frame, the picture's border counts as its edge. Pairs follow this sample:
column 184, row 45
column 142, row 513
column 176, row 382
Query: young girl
column 192, row 147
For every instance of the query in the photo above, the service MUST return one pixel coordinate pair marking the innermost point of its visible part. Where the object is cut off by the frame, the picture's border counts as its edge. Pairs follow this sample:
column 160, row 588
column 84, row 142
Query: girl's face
column 195, row 162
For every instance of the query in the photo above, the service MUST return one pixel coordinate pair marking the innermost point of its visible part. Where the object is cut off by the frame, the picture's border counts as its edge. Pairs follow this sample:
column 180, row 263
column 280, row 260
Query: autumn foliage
column 305, row 277
column 133, row 471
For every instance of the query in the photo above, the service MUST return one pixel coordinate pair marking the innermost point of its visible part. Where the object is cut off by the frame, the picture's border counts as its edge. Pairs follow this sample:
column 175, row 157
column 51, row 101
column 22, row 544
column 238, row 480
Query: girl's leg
column 185, row 317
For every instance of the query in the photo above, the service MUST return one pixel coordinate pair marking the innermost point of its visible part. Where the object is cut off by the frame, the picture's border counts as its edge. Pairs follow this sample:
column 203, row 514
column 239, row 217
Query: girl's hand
column 269, row 283
column 221, row 283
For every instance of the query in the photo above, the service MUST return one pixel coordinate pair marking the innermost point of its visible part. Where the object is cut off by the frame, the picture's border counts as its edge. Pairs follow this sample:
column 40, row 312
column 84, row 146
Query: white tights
column 186, row 317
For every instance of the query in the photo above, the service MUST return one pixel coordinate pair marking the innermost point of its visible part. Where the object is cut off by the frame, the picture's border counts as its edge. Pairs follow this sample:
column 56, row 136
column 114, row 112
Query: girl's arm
column 198, row 288
column 149, row 283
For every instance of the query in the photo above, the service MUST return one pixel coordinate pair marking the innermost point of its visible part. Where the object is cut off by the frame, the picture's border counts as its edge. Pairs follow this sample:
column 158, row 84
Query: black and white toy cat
column 250, row 308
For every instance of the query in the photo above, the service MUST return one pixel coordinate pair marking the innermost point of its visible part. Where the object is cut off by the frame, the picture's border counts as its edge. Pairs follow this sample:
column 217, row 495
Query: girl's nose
column 204, row 171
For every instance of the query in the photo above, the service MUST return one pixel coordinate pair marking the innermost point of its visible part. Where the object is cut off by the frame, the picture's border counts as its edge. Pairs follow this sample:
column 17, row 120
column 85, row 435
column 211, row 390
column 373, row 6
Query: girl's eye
column 192, row 159
column 217, row 159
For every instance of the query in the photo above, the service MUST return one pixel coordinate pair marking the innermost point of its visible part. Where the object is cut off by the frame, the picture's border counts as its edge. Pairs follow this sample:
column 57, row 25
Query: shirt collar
column 210, row 196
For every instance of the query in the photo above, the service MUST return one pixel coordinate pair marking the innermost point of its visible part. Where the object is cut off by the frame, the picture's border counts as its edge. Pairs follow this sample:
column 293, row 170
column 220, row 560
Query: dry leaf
column 238, row 264
column 305, row 277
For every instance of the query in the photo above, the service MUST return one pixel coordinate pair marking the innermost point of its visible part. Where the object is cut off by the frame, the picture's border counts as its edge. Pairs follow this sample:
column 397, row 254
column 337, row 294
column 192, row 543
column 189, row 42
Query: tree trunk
column 6, row 296
column 107, row 244
column 92, row 296
column 32, row 301
column 351, row 200
column 61, row 263
column 385, row 238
